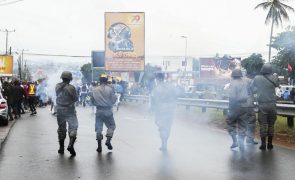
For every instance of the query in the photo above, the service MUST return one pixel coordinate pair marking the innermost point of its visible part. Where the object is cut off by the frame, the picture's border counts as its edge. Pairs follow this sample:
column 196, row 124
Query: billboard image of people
column 218, row 67
column 6, row 65
column 124, row 41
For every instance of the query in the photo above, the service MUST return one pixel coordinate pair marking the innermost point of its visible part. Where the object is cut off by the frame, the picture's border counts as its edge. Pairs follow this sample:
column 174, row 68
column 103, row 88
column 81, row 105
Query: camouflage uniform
column 265, row 85
column 66, row 96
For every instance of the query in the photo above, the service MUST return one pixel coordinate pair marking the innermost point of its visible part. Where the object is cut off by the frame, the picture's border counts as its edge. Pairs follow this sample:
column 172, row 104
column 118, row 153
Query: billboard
column 218, row 67
column 6, row 65
column 124, row 41
column 98, row 59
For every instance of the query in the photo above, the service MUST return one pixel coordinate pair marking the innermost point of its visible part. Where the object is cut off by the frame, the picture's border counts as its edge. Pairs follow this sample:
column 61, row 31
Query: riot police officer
column 163, row 104
column 238, row 113
column 103, row 97
column 265, row 85
column 66, row 96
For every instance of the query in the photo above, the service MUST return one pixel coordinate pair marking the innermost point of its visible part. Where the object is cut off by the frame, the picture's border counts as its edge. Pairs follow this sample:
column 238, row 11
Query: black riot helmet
column 236, row 73
column 266, row 69
column 66, row 75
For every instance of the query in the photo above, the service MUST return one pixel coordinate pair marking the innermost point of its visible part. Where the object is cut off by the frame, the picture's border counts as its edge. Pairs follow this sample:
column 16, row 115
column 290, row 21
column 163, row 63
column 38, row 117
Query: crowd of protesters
column 20, row 96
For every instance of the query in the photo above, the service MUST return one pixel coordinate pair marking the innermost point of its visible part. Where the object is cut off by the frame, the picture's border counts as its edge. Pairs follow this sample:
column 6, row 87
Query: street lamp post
column 185, row 55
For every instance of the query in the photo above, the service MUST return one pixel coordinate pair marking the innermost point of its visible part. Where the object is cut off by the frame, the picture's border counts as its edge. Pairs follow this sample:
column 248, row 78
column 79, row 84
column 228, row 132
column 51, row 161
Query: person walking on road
column 20, row 95
column 66, row 96
column 32, row 97
column 103, row 97
column 264, row 85
column 10, row 98
column 163, row 104
column 237, row 111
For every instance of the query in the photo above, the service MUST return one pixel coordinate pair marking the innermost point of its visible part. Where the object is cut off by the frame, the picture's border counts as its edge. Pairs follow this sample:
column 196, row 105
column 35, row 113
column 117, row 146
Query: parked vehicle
column 3, row 111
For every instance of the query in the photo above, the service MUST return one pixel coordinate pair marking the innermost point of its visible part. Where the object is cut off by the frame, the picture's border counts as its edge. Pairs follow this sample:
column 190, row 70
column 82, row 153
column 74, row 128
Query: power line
column 57, row 55
column 8, row 3
column 3, row 1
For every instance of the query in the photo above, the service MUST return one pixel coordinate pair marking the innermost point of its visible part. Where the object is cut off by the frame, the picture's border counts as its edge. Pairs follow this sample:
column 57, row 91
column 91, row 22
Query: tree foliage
column 87, row 73
column 284, row 43
column 253, row 64
column 277, row 10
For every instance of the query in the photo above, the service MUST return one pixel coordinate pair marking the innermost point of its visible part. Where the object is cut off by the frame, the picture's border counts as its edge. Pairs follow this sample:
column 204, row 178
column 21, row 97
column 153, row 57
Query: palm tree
column 276, row 11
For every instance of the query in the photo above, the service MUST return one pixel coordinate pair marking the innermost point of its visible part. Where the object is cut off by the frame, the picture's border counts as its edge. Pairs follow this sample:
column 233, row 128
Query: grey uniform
column 103, row 97
column 238, row 111
column 265, row 85
column 66, row 96
column 163, row 103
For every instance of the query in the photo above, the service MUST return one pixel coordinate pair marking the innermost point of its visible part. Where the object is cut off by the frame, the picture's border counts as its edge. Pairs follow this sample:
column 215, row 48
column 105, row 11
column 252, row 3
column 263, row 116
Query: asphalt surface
column 196, row 151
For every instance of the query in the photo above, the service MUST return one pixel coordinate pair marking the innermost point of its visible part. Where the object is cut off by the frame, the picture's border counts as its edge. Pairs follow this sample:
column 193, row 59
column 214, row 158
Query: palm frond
column 289, row 8
column 263, row 5
column 279, row 19
column 284, row 13
column 269, row 16
column 277, row 10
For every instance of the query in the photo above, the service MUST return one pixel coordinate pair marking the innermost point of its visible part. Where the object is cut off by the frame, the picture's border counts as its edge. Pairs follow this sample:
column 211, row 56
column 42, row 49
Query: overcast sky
column 76, row 27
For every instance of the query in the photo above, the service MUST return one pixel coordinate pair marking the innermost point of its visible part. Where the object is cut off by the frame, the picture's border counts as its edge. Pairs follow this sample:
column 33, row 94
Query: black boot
column 71, row 146
column 99, row 146
column 235, row 142
column 241, row 142
column 269, row 143
column 108, row 143
column 263, row 143
column 61, row 146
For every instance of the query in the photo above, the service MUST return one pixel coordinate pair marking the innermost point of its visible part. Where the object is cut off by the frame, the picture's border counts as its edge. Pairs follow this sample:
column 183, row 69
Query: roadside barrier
column 285, row 110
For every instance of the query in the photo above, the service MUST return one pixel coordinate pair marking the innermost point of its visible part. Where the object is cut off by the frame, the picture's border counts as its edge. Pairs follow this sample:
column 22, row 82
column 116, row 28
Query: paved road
column 196, row 151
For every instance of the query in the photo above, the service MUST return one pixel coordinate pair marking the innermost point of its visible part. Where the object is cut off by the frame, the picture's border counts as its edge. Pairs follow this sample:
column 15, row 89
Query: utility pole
column 7, row 33
column 185, row 54
column 21, row 63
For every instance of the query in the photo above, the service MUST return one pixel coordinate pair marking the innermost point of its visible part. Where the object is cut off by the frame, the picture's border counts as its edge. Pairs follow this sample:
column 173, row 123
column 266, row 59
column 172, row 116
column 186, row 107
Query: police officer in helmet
column 66, row 96
column 238, row 114
column 264, row 85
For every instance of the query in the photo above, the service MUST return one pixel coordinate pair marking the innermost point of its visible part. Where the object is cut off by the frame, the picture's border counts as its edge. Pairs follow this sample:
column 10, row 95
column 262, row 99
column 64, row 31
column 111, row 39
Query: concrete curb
column 4, row 131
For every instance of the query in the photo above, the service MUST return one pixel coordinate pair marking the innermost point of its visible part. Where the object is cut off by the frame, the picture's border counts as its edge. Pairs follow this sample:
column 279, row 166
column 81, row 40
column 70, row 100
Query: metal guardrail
column 286, row 110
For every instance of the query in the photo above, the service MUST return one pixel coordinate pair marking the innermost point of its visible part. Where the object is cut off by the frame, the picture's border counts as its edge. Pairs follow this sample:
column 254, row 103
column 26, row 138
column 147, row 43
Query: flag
column 290, row 69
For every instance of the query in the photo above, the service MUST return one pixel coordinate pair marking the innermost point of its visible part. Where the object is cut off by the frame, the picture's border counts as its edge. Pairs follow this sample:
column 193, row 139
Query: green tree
column 87, row 73
column 284, row 43
column 277, row 11
column 253, row 64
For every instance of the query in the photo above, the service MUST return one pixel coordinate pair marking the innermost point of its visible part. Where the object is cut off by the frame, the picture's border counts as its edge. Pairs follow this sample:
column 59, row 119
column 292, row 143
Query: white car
column 3, row 111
